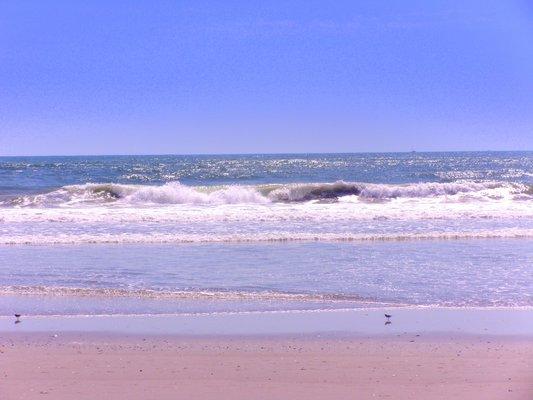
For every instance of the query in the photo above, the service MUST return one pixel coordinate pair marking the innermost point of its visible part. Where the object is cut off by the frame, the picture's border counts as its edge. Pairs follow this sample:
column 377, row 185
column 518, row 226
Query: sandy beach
column 210, row 200
column 89, row 366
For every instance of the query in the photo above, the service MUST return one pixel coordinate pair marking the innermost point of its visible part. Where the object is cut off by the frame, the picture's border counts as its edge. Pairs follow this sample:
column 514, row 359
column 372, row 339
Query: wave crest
column 177, row 193
column 169, row 193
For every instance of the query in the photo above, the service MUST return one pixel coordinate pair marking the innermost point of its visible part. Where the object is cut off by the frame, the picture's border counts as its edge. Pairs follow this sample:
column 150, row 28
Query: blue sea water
column 36, row 174
column 170, row 234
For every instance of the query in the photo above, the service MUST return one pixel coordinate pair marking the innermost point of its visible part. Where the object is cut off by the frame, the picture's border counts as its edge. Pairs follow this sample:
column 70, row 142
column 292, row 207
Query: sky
column 182, row 77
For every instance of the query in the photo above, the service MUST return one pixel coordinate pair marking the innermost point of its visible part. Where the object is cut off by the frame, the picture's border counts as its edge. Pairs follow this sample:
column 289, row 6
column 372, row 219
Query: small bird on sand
column 17, row 316
column 388, row 316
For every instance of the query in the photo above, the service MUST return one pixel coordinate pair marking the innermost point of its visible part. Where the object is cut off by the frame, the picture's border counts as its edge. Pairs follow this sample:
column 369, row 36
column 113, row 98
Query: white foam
column 175, row 193
column 173, row 213
column 158, row 237
column 348, row 208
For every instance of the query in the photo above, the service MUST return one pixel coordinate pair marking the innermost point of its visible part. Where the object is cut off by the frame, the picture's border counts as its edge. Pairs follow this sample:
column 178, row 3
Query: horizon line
column 267, row 154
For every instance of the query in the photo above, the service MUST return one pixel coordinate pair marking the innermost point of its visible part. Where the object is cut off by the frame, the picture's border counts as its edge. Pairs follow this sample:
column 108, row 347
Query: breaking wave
column 177, row 193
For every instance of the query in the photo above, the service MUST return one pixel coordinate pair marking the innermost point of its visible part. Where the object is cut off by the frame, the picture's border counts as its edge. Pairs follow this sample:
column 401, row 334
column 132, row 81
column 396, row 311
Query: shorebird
column 17, row 316
column 388, row 316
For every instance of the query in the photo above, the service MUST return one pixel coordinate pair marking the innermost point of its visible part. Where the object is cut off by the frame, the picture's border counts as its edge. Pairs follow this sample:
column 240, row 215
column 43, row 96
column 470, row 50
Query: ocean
column 238, row 233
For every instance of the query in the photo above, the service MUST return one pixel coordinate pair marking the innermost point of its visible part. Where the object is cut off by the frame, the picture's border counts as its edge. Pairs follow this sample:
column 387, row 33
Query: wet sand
column 404, row 366
column 504, row 321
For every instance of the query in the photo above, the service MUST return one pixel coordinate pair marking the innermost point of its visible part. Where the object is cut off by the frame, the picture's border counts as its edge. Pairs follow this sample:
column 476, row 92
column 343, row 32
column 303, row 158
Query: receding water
column 228, row 277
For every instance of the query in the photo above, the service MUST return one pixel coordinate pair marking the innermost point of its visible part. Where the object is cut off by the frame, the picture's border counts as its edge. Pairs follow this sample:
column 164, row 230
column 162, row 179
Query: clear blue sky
column 144, row 77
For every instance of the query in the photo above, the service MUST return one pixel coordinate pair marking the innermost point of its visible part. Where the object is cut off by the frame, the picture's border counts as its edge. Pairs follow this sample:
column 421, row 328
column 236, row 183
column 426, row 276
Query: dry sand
column 40, row 366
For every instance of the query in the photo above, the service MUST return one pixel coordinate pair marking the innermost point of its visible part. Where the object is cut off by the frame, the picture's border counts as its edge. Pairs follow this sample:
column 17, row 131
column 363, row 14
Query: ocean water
column 174, row 234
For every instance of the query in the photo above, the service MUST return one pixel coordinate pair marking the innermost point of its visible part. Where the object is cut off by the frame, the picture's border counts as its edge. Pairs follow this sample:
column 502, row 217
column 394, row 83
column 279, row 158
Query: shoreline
column 348, row 322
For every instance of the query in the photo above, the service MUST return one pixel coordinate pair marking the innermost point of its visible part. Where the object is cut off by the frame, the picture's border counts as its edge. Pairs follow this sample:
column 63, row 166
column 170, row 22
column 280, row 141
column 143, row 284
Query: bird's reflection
column 388, row 322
